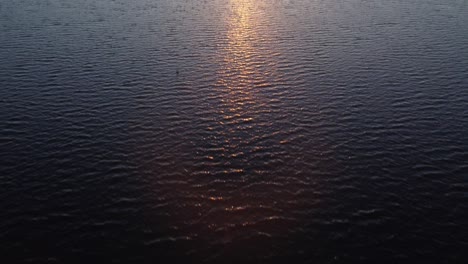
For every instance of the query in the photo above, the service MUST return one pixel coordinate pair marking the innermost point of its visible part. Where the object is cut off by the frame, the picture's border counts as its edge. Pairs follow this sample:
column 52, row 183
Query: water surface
column 241, row 131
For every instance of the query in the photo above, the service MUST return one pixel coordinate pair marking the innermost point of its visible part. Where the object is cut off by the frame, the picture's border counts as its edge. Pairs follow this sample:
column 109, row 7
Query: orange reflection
column 242, row 72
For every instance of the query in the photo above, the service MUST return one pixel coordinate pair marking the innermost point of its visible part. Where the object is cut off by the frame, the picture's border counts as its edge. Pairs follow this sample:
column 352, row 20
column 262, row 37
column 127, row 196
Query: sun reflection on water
column 242, row 72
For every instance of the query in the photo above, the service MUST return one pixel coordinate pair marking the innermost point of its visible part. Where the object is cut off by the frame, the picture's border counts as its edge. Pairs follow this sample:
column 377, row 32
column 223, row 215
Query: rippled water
column 234, row 131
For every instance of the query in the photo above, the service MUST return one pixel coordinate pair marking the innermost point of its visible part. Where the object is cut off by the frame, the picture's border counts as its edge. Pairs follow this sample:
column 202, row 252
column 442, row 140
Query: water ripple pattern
column 234, row 131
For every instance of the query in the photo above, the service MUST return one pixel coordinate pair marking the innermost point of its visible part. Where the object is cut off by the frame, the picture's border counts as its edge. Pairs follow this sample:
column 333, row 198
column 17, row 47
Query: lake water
column 234, row 131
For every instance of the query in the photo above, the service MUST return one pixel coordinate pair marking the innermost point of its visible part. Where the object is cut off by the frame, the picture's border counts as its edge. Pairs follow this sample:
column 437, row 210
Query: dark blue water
column 234, row 131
